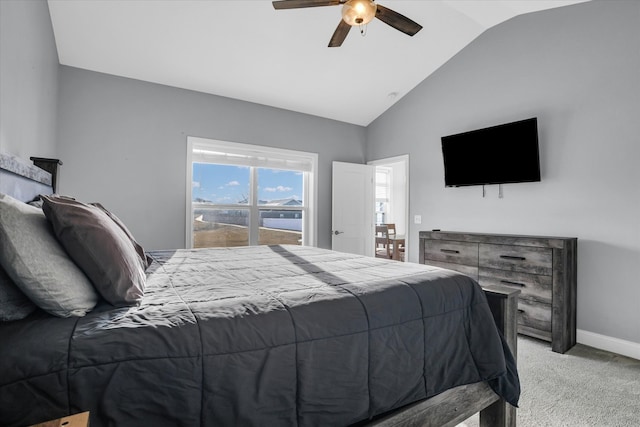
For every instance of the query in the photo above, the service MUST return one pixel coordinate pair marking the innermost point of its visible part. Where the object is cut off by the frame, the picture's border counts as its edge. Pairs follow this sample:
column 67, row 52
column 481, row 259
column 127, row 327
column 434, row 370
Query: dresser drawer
column 534, row 315
column 460, row 268
column 533, row 286
column 451, row 252
column 516, row 258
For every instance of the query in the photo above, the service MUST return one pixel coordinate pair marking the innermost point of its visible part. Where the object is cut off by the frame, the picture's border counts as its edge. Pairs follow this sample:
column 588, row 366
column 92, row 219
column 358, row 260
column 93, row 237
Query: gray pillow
column 14, row 305
column 38, row 264
column 146, row 259
column 37, row 202
column 100, row 248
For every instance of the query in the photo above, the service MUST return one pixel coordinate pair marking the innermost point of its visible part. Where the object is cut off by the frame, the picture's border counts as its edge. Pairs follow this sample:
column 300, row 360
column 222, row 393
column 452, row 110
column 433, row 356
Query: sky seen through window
column 229, row 184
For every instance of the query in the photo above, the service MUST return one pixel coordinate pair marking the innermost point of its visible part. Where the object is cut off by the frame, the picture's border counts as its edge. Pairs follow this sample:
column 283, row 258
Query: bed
column 269, row 335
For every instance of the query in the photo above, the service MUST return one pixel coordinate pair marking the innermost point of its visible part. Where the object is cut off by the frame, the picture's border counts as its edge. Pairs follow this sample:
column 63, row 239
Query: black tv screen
column 500, row 154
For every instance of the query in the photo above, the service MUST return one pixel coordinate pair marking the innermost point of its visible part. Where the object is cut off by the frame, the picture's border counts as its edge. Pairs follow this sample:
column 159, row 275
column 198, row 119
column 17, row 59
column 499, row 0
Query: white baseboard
column 614, row 345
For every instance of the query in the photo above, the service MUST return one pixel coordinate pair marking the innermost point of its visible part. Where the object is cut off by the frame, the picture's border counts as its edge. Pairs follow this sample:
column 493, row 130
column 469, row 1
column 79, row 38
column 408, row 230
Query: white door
column 352, row 219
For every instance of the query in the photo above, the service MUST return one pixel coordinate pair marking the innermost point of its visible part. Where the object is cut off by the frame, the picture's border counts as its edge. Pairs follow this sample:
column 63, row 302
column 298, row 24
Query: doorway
column 392, row 194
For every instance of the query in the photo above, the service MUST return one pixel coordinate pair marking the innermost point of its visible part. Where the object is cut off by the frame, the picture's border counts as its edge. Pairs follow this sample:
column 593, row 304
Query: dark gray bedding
column 266, row 336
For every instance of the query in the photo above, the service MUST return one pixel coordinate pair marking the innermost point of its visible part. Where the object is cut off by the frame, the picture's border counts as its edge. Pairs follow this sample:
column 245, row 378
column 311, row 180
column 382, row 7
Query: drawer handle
column 509, row 282
column 449, row 251
column 520, row 311
column 517, row 258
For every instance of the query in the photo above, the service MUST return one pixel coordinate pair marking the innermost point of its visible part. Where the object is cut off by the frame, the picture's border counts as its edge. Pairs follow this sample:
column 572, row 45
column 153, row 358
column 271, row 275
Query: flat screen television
column 500, row 154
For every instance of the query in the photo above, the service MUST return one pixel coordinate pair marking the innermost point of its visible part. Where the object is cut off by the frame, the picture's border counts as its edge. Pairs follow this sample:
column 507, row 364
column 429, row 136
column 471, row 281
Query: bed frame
column 24, row 181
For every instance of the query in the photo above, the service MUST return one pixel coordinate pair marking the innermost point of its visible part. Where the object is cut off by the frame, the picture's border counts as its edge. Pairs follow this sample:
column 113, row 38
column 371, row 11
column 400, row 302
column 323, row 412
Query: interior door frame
column 403, row 158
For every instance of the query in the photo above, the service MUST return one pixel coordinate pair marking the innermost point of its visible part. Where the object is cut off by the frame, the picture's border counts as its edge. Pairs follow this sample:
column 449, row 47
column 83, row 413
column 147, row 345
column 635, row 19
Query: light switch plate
column 417, row 219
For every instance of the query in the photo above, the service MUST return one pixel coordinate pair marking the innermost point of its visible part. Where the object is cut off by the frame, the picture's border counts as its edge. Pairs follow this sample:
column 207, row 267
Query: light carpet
column 584, row 387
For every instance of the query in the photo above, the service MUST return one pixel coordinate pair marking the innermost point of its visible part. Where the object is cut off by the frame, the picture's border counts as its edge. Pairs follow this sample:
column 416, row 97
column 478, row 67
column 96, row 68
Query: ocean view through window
column 240, row 195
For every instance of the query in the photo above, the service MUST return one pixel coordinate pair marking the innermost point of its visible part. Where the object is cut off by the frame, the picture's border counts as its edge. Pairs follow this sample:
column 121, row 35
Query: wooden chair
column 391, row 228
column 383, row 246
column 392, row 233
column 401, row 250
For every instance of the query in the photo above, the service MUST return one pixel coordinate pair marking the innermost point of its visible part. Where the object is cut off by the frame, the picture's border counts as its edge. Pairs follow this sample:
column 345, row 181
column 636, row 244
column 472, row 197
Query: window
column 239, row 194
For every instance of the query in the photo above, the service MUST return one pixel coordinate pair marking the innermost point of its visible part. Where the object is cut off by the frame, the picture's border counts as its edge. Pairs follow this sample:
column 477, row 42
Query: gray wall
column 28, row 79
column 123, row 143
column 578, row 70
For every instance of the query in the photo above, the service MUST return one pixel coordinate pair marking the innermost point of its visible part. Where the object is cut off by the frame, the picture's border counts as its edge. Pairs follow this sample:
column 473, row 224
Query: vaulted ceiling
column 246, row 50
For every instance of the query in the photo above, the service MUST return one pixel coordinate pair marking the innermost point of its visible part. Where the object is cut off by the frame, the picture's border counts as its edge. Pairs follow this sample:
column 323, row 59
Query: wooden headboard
column 21, row 180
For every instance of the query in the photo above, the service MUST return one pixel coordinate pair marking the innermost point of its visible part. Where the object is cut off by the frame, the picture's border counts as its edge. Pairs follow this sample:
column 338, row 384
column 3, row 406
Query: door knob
column 338, row 232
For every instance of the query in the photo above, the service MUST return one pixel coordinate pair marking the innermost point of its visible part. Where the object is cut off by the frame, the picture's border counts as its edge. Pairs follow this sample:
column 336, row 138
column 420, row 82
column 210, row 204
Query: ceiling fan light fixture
column 358, row 12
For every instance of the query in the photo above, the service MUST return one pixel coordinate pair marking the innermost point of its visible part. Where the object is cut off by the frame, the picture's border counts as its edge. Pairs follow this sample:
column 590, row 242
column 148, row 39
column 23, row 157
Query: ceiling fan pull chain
column 363, row 29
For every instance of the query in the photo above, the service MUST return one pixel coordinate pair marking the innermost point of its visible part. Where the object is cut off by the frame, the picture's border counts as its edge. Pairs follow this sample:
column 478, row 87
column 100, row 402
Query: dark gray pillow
column 146, row 259
column 14, row 305
column 100, row 248
column 38, row 264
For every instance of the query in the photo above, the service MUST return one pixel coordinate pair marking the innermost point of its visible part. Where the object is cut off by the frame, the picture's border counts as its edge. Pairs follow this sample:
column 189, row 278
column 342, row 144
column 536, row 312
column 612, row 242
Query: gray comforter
column 266, row 336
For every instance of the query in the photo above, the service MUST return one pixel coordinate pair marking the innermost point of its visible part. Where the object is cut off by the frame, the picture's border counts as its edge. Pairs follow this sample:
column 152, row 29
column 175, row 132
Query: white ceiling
column 245, row 49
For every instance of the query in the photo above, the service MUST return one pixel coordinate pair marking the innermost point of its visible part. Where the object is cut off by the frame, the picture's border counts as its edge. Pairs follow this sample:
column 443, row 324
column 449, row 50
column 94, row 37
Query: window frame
column 310, row 186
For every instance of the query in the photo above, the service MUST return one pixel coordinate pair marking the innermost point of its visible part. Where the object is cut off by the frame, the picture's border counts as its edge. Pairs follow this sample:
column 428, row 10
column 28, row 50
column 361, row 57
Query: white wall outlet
column 417, row 219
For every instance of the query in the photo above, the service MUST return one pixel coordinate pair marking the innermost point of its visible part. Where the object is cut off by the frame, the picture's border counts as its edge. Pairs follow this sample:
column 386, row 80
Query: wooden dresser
column 543, row 268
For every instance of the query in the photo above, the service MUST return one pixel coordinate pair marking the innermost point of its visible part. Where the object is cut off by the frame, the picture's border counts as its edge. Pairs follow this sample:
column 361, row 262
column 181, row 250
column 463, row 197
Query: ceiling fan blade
column 397, row 21
column 296, row 4
column 339, row 34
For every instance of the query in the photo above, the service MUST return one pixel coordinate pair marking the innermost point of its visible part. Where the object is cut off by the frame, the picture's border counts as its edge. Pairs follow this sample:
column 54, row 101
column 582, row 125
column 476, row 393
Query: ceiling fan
column 355, row 12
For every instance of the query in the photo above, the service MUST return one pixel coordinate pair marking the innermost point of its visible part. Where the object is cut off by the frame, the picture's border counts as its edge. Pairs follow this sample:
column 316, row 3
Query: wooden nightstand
column 77, row 420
